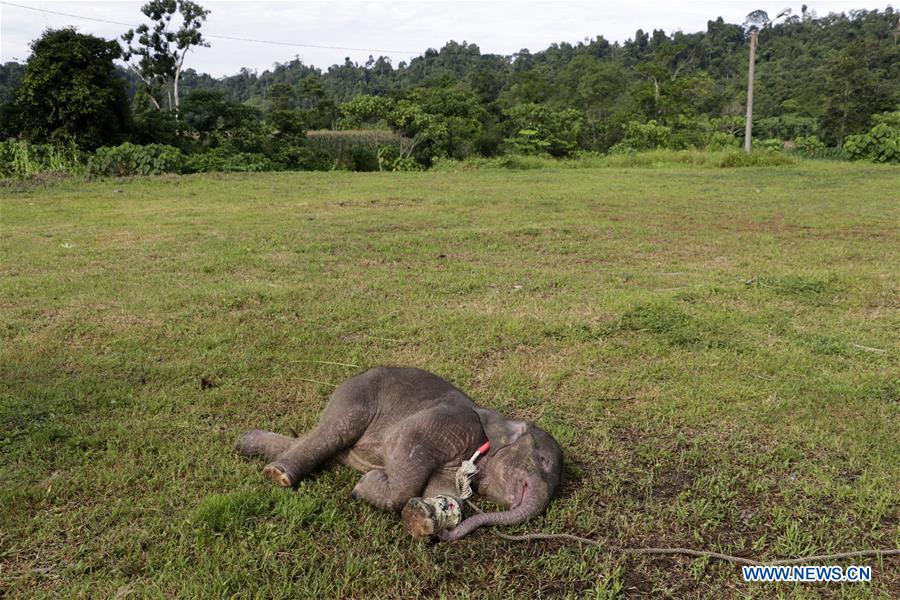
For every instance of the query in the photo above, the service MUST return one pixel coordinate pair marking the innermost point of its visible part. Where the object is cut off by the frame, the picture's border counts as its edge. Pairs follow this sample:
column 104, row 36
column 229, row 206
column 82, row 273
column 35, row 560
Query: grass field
column 715, row 349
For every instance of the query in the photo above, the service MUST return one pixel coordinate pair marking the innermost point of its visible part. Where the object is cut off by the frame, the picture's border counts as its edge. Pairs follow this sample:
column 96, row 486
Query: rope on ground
column 738, row 560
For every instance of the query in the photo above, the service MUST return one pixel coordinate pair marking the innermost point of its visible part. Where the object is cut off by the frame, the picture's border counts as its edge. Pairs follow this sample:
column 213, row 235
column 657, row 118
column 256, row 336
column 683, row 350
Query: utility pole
column 758, row 21
column 748, row 125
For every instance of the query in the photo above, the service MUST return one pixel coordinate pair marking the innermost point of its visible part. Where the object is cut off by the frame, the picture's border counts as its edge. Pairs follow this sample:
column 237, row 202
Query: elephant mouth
column 522, row 496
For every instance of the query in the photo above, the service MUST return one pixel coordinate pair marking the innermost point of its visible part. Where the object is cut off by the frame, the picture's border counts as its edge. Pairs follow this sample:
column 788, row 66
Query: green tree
column 160, row 51
column 280, row 96
column 594, row 87
column 365, row 109
column 205, row 111
column 858, row 85
column 71, row 91
column 153, row 126
column 539, row 129
column 318, row 102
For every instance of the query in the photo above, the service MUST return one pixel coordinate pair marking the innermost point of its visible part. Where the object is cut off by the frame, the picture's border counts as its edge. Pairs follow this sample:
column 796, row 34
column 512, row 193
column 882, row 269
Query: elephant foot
column 277, row 475
column 418, row 518
column 423, row 517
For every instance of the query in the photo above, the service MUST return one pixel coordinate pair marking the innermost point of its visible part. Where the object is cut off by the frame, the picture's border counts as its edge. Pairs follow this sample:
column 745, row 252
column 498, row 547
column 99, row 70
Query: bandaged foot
column 423, row 517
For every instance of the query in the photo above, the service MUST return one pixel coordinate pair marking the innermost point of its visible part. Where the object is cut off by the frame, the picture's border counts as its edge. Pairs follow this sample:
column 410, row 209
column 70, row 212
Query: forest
column 825, row 86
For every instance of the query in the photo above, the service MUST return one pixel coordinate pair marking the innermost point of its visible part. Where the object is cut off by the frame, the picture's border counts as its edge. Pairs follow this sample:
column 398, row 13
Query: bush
column 154, row 126
column 540, row 130
column 18, row 158
column 489, row 143
column 719, row 140
column 758, row 158
column 355, row 149
column 808, row 145
column 517, row 162
column 772, row 144
column 131, row 159
column 389, row 159
column 788, row 126
column 224, row 160
column 643, row 136
column 361, row 158
column 880, row 144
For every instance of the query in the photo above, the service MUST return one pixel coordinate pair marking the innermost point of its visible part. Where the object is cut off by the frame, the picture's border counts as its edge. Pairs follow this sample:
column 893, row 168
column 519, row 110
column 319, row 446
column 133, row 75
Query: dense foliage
column 70, row 91
column 821, row 84
column 881, row 143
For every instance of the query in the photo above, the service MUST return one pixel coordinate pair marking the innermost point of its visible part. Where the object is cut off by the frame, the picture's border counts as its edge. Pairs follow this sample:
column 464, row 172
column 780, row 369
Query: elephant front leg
column 389, row 489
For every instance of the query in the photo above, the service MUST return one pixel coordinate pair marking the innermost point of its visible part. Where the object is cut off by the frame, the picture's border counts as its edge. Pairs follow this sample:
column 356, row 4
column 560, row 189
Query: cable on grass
column 738, row 560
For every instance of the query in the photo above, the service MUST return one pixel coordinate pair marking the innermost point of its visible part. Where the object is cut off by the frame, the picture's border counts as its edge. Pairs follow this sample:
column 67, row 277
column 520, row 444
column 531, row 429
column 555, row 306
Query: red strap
column 484, row 447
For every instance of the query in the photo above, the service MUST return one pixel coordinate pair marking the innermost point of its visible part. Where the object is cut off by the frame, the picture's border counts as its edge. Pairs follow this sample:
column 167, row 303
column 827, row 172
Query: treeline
column 822, row 82
column 822, row 76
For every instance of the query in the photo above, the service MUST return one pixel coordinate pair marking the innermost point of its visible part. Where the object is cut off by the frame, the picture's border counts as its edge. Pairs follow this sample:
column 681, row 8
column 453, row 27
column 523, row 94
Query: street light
column 757, row 21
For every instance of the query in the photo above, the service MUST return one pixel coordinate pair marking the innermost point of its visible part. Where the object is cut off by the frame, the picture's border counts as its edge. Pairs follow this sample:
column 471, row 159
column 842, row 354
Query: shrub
column 808, row 145
column 390, row 159
column 361, row 158
column 153, row 126
column 719, row 140
column 18, row 158
column 759, row 158
column 225, row 160
column 489, row 143
column 644, row 136
column 772, row 144
column 131, row 159
column 788, row 126
column 517, row 162
column 540, row 130
column 355, row 149
column 880, row 144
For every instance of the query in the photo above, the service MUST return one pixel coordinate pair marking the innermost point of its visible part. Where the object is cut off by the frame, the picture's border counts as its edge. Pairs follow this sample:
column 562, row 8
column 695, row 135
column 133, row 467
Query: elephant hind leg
column 345, row 419
column 338, row 430
column 263, row 444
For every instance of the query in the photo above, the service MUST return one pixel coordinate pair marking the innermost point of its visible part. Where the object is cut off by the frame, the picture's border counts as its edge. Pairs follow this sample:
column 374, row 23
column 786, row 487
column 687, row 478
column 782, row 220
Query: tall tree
column 160, row 50
column 71, row 91
column 280, row 96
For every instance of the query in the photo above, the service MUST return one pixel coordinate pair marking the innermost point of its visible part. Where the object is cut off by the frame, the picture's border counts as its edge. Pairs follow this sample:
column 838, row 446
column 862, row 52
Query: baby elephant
column 407, row 431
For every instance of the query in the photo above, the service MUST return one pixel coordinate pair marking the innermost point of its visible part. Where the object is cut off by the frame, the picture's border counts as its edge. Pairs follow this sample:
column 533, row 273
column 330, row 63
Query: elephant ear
column 500, row 431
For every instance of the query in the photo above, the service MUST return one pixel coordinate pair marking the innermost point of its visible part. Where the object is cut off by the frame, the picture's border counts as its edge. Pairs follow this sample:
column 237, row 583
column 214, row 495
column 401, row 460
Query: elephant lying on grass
column 407, row 431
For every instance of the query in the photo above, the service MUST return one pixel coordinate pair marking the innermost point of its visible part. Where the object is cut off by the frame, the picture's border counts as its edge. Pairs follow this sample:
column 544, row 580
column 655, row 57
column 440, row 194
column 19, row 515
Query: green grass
column 653, row 159
column 715, row 349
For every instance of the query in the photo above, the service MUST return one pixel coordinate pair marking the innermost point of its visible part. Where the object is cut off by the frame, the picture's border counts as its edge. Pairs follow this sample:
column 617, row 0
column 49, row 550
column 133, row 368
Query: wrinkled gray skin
column 408, row 431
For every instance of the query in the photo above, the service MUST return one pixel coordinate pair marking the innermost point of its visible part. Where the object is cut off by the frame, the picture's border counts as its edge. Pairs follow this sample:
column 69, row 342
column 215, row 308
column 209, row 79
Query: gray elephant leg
column 389, row 490
column 409, row 461
column 343, row 422
column 263, row 443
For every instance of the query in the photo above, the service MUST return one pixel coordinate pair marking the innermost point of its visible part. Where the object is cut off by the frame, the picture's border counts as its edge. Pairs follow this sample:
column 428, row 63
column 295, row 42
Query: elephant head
column 521, row 472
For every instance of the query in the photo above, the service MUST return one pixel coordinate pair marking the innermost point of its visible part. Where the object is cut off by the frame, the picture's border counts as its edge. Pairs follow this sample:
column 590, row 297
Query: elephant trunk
column 531, row 507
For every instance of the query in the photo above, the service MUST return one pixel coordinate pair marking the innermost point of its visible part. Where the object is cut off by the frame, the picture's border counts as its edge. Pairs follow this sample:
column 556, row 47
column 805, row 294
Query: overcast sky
column 400, row 30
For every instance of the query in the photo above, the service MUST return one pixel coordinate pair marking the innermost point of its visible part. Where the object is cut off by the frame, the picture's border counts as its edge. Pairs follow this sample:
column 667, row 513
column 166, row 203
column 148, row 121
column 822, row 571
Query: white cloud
column 411, row 27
